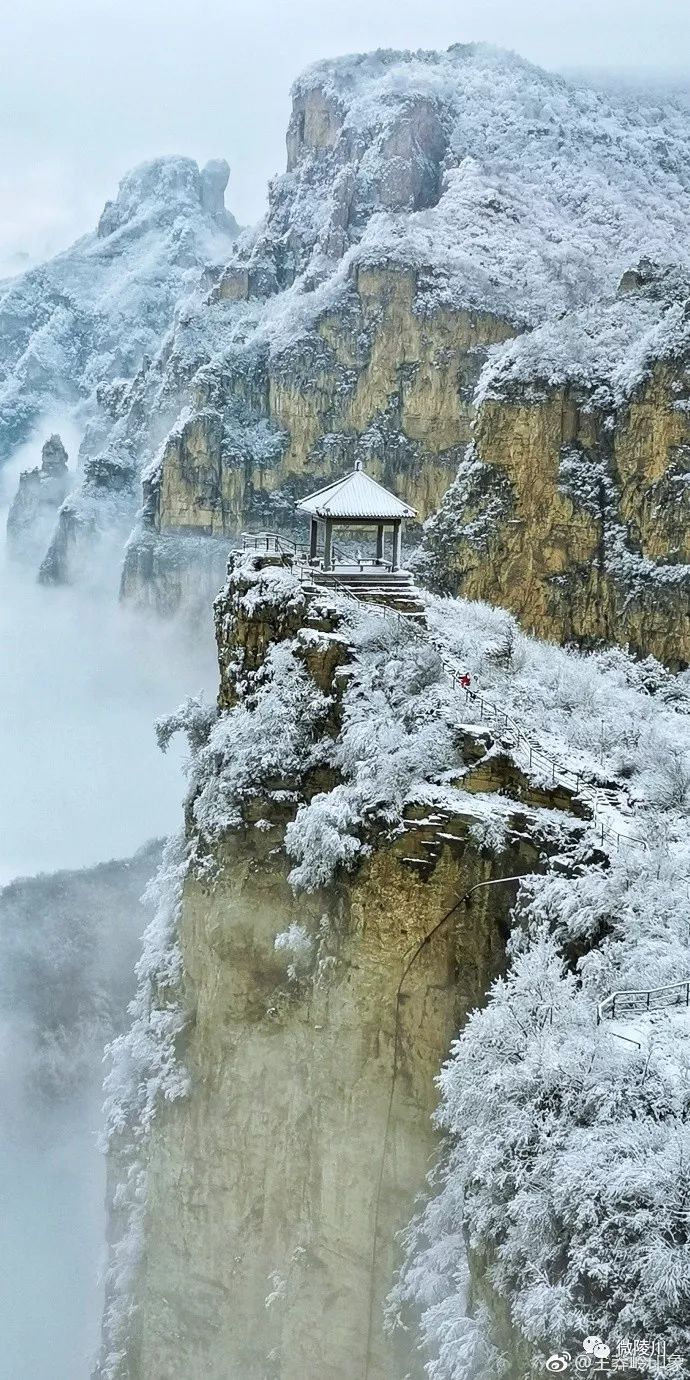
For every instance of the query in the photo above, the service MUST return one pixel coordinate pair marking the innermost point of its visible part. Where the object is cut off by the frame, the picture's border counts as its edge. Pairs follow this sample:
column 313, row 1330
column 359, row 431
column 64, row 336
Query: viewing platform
column 361, row 506
column 369, row 582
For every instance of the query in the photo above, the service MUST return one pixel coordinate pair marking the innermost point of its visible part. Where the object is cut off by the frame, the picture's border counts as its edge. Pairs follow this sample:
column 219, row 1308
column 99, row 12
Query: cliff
column 300, row 988
column 420, row 225
column 571, row 506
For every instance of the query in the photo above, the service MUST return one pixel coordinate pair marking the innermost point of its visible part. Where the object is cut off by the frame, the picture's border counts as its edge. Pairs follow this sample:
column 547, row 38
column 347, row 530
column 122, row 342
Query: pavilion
column 355, row 501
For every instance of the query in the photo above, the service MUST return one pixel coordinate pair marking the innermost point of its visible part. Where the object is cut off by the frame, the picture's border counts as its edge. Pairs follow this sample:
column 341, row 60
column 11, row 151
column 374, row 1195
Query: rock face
column 276, row 1157
column 39, row 495
column 429, row 263
column 75, row 330
column 572, row 507
column 92, row 524
column 414, row 231
column 315, row 1025
column 377, row 382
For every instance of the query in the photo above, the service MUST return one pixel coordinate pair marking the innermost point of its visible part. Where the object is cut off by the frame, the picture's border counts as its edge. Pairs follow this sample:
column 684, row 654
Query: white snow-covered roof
column 355, row 496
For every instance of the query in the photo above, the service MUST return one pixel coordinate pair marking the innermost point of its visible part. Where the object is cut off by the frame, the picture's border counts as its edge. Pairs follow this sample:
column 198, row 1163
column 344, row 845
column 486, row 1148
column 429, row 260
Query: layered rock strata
column 572, row 506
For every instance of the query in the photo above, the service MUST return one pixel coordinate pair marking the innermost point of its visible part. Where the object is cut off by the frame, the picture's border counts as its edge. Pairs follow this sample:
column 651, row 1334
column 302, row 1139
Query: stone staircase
column 373, row 585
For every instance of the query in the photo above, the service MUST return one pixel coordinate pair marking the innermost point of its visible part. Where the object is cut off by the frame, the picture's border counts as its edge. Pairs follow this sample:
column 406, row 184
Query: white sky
column 88, row 88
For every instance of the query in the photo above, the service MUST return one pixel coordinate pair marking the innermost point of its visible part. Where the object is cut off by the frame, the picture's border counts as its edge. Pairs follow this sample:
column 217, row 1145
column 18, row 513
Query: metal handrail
column 641, row 999
column 271, row 541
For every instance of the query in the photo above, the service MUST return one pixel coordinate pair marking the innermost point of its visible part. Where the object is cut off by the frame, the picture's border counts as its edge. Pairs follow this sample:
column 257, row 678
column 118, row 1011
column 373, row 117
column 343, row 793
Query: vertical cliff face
column 375, row 380
column 307, row 1135
column 314, row 1005
column 571, row 509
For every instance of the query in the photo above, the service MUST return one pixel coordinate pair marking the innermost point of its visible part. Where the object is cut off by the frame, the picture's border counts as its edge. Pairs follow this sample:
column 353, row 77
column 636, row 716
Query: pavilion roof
column 355, row 496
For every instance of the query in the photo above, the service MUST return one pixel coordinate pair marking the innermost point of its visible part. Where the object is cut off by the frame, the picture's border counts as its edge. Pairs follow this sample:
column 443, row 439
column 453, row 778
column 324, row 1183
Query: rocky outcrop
column 92, row 524
column 164, row 189
column 314, row 1022
column 572, row 507
column 39, row 495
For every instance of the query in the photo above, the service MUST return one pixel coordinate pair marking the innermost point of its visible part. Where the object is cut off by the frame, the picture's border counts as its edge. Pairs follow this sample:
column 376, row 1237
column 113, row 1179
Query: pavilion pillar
column 313, row 540
column 379, row 544
column 397, row 544
column 328, row 546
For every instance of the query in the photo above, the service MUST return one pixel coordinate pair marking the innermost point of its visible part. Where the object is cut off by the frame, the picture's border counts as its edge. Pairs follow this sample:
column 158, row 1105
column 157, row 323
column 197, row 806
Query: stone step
column 364, row 577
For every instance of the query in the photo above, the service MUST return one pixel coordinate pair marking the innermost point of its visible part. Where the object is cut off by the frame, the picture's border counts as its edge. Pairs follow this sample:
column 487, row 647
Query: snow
column 566, row 1147
column 355, row 496
column 298, row 946
column 615, row 730
column 550, row 189
column 605, row 350
column 566, row 1165
column 90, row 315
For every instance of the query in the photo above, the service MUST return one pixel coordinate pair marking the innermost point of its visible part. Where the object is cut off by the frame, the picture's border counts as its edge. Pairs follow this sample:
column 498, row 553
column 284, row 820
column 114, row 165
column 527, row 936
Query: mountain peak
column 163, row 188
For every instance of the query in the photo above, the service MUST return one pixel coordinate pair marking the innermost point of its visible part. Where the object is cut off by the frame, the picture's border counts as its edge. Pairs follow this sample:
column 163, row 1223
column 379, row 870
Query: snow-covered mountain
column 90, row 315
column 511, row 189
column 485, row 194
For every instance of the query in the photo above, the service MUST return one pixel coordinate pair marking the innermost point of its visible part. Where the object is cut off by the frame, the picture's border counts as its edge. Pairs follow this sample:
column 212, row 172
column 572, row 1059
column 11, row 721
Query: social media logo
column 558, row 1362
column 595, row 1347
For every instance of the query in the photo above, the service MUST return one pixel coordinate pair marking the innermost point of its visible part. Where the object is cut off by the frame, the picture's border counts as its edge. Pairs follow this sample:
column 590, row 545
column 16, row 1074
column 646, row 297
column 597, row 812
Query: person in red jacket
column 465, row 681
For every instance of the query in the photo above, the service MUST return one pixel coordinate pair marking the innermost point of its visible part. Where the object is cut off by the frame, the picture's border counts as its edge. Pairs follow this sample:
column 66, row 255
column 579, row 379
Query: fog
column 81, row 681
column 51, row 1243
